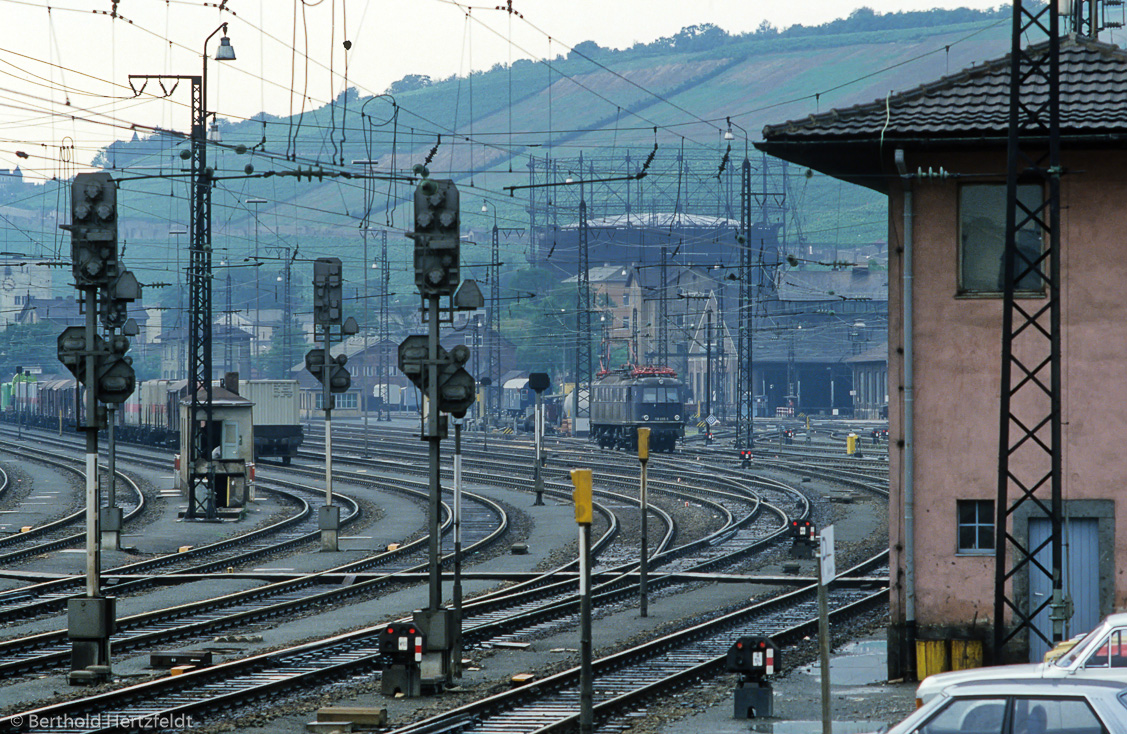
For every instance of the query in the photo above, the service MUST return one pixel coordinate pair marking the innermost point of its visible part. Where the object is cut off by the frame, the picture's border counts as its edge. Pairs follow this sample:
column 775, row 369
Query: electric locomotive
column 626, row 399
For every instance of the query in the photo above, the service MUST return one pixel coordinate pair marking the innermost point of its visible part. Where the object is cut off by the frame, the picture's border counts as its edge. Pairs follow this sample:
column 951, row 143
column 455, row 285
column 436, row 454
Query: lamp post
column 201, row 470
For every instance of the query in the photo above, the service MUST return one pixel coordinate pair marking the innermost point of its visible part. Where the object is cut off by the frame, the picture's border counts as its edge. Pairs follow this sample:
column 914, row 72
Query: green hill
column 482, row 130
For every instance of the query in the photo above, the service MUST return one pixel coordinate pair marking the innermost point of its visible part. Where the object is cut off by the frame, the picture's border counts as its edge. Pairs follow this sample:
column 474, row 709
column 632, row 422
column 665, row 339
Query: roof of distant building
column 968, row 109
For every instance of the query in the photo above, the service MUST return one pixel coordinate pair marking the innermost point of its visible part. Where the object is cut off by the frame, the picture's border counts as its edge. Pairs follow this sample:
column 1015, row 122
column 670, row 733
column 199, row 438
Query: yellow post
column 584, row 512
column 851, row 444
column 581, row 478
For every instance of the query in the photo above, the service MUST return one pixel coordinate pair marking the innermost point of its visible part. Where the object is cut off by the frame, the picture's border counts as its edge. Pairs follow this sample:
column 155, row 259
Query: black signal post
column 328, row 293
column 448, row 387
column 539, row 382
column 107, row 374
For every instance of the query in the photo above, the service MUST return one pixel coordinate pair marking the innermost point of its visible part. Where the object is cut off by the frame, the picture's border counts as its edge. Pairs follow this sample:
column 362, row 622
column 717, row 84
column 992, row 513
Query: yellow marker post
column 643, row 458
column 584, row 513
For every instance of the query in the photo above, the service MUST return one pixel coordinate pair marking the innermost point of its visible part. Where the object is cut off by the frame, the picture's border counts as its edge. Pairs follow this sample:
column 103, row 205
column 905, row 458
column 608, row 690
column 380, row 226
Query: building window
column 982, row 239
column 344, row 401
column 625, row 299
column 976, row 527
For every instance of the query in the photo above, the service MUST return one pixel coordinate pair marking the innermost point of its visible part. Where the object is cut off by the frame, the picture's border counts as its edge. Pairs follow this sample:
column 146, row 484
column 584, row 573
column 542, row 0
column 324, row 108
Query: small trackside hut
column 231, row 431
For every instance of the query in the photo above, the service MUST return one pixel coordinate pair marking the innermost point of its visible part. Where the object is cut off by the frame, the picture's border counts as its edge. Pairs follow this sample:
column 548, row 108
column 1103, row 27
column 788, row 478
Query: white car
column 1101, row 654
column 1023, row 706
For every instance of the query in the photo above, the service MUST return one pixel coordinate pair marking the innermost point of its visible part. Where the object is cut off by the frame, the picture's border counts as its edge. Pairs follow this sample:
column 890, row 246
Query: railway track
column 668, row 661
column 546, row 600
column 31, row 544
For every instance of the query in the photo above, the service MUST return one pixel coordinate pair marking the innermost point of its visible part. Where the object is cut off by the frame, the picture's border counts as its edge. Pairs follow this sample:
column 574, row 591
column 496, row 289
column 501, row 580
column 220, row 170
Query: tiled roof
column 975, row 101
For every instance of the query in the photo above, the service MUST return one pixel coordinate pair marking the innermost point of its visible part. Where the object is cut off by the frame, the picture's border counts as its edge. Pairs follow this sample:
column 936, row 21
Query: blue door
column 1081, row 579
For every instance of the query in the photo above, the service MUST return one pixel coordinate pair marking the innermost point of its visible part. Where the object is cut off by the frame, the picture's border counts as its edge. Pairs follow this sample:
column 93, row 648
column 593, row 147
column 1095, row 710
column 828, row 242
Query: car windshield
column 1070, row 657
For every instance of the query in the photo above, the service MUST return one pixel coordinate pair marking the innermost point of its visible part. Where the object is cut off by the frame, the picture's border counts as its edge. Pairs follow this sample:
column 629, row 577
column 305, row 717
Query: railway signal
column 114, row 379
column 340, row 379
column 93, row 230
column 804, row 538
column 437, row 233
column 754, row 658
column 328, row 291
column 115, row 300
column 455, row 383
column 538, row 382
column 107, row 373
column 448, row 387
column 331, row 373
column 401, row 646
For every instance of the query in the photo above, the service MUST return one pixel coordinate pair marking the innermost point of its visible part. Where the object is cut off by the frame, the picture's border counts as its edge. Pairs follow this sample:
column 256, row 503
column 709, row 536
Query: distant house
column 951, row 136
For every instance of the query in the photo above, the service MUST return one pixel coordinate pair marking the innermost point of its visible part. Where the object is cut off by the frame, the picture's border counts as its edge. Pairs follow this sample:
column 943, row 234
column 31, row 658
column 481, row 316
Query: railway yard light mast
column 201, row 469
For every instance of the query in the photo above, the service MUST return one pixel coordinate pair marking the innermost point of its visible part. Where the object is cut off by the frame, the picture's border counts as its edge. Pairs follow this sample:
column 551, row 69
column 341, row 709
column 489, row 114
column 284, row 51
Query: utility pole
column 583, row 324
column 663, row 312
column 385, row 322
column 708, row 378
column 366, row 396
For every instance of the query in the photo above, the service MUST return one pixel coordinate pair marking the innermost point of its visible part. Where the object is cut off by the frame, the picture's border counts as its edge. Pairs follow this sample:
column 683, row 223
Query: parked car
column 1102, row 653
column 1023, row 706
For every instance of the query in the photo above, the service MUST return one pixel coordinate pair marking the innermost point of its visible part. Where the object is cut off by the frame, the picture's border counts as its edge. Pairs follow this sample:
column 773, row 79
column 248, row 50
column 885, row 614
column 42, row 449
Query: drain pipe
column 909, row 399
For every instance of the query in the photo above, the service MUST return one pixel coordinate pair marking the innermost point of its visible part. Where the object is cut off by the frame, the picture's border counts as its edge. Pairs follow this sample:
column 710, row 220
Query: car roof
column 1057, row 686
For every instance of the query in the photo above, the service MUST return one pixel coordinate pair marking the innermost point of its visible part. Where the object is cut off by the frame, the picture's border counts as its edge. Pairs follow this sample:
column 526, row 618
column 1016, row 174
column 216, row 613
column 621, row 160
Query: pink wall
column 957, row 369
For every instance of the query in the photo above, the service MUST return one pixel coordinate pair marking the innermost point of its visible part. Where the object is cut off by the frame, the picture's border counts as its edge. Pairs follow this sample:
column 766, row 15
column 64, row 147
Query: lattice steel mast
column 1029, row 446
column 745, row 387
column 583, row 321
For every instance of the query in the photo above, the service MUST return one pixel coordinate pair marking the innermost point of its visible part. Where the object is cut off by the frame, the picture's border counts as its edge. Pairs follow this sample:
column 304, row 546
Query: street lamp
column 729, row 135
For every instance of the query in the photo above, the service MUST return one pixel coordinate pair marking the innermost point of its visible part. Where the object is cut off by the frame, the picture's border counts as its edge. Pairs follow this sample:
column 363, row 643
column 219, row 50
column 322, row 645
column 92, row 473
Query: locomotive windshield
column 659, row 395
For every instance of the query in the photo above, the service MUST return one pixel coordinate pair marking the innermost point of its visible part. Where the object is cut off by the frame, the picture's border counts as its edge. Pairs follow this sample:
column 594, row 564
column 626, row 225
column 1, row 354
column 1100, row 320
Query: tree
column 30, row 345
column 410, row 83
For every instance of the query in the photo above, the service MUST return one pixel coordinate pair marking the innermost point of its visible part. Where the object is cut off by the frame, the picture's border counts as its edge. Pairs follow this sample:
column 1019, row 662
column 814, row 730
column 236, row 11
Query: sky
column 64, row 69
